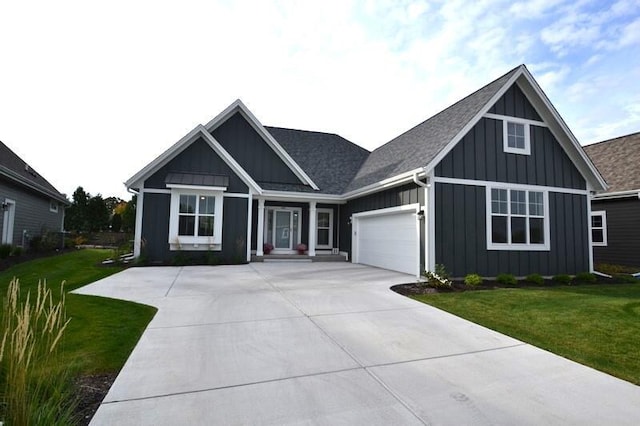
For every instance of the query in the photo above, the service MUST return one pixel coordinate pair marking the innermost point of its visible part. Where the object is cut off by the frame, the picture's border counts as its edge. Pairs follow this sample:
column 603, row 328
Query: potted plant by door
column 266, row 248
column 301, row 248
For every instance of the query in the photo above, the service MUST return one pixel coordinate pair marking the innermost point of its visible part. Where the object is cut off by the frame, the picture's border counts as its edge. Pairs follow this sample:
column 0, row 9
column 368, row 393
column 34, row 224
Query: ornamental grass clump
column 33, row 380
column 439, row 278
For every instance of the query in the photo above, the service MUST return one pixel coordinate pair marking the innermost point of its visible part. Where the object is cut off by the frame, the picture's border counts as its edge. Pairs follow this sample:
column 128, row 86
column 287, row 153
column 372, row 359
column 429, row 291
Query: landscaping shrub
column 585, row 278
column 5, row 251
column 535, row 279
column 625, row 278
column 610, row 269
column 16, row 251
column 473, row 280
column 439, row 278
column 506, row 279
column 34, row 382
column 562, row 279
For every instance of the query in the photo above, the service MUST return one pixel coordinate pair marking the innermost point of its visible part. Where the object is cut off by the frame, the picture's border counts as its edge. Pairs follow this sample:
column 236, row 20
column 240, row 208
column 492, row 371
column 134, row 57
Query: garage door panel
column 388, row 241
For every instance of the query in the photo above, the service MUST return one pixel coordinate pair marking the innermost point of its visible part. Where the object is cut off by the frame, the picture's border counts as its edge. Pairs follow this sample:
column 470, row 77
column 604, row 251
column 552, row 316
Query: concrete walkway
column 314, row 343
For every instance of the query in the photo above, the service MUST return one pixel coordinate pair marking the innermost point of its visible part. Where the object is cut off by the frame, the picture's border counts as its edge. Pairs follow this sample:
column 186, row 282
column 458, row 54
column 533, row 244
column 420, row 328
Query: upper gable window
column 516, row 137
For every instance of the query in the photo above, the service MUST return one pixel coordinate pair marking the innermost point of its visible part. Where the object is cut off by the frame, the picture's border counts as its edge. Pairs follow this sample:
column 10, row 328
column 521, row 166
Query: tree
column 97, row 214
column 129, row 215
column 76, row 214
column 116, row 222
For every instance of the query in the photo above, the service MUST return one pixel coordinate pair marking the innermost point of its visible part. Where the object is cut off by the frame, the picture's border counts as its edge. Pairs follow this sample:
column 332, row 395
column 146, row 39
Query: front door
column 282, row 228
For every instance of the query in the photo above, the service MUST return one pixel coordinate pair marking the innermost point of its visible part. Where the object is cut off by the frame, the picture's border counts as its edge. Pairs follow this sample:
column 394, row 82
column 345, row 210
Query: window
column 516, row 137
column 599, row 228
column 324, row 224
column 517, row 219
column 195, row 219
column 53, row 206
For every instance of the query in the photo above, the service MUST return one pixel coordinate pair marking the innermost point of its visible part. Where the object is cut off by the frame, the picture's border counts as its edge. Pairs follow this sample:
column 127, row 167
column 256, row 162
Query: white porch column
column 312, row 228
column 260, row 235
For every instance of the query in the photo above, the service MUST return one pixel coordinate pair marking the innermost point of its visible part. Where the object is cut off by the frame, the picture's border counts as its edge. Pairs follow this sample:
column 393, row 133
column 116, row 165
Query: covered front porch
column 294, row 230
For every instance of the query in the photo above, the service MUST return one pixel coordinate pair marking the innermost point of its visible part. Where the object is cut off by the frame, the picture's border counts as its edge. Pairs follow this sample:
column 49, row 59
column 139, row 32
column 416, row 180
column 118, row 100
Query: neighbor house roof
column 329, row 159
column 618, row 160
column 416, row 148
column 15, row 169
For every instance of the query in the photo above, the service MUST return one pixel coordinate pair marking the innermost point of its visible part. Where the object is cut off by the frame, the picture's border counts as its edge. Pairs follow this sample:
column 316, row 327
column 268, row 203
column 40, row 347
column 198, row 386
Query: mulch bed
column 8, row 262
column 90, row 391
column 416, row 289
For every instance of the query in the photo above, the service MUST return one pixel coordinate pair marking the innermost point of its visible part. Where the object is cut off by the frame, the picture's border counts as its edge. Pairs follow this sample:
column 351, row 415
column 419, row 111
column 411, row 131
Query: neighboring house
column 615, row 213
column 29, row 205
column 495, row 183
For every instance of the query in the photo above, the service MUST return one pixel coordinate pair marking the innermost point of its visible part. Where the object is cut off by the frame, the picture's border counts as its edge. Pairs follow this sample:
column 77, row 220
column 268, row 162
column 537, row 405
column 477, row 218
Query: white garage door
column 387, row 241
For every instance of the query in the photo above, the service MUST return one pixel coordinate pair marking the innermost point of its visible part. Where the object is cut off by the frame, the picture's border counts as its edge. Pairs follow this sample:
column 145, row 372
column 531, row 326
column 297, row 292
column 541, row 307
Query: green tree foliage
column 129, row 215
column 116, row 222
column 86, row 213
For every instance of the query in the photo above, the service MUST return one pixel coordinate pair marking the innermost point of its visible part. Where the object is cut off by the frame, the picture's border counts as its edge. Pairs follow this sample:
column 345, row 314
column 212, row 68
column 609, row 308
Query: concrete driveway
column 329, row 343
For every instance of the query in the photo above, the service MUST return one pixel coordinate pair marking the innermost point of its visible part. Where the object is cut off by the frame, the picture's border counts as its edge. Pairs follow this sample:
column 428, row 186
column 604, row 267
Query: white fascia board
column 618, row 194
column 231, row 162
column 238, row 105
column 136, row 180
column 443, row 152
column 271, row 195
column 577, row 155
column 386, row 183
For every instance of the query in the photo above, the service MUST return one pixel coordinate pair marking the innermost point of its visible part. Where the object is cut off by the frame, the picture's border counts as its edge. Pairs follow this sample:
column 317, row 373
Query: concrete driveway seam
column 174, row 281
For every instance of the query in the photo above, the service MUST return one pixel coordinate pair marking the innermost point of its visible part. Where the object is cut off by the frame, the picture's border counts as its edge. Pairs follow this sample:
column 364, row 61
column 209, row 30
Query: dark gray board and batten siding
column 461, row 237
column 623, row 232
column 253, row 154
column 196, row 158
column 392, row 197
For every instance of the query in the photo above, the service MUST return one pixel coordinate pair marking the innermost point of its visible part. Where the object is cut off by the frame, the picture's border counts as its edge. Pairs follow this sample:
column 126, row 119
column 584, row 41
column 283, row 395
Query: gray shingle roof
column 618, row 161
column 17, row 170
column 418, row 146
column 330, row 160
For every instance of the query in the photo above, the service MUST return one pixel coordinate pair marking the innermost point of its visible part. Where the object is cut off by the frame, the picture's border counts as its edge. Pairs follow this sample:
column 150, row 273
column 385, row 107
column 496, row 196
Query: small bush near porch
column 595, row 325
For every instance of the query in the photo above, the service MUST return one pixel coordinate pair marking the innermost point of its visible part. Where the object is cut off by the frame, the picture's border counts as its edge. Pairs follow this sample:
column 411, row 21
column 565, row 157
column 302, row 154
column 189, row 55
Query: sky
column 91, row 92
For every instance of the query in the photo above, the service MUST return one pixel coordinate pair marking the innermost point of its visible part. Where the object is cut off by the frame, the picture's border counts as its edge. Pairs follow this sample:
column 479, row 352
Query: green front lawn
column 595, row 325
column 102, row 332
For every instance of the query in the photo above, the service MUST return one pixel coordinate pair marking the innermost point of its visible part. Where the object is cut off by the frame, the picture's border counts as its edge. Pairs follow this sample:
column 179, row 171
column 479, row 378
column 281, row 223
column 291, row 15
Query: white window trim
column 185, row 242
column 53, row 206
column 603, row 215
column 330, row 245
column 510, row 246
column 505, row 136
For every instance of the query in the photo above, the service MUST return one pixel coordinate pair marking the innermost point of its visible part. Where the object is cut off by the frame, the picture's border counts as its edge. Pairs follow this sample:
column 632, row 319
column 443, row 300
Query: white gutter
column 618, row 194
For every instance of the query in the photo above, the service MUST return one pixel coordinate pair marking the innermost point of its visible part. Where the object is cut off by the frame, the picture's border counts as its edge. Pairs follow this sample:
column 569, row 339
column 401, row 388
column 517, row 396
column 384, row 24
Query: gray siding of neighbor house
column 31, row 212
column 199, row 157
column 155, row 232
column 480, row 155
column 623, row 232
column 305, row 220
column 461, row 237
column 255, row 156
column 393, row 197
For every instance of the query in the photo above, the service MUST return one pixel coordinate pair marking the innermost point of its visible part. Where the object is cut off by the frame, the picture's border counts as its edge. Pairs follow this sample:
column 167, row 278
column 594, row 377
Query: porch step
column 298, row 258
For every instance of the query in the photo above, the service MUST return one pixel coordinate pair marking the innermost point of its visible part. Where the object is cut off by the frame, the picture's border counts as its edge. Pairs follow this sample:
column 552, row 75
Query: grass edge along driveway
column 595, row 325
column 102, row 332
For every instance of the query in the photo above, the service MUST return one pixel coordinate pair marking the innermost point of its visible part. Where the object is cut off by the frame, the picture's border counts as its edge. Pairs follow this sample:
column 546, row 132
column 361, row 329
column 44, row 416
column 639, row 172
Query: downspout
column 424, row 208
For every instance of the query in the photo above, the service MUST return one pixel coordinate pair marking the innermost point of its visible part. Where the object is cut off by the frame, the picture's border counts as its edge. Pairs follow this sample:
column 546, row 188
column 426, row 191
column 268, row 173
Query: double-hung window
column 517, row 219
column 599, row 228
column 195, row 219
